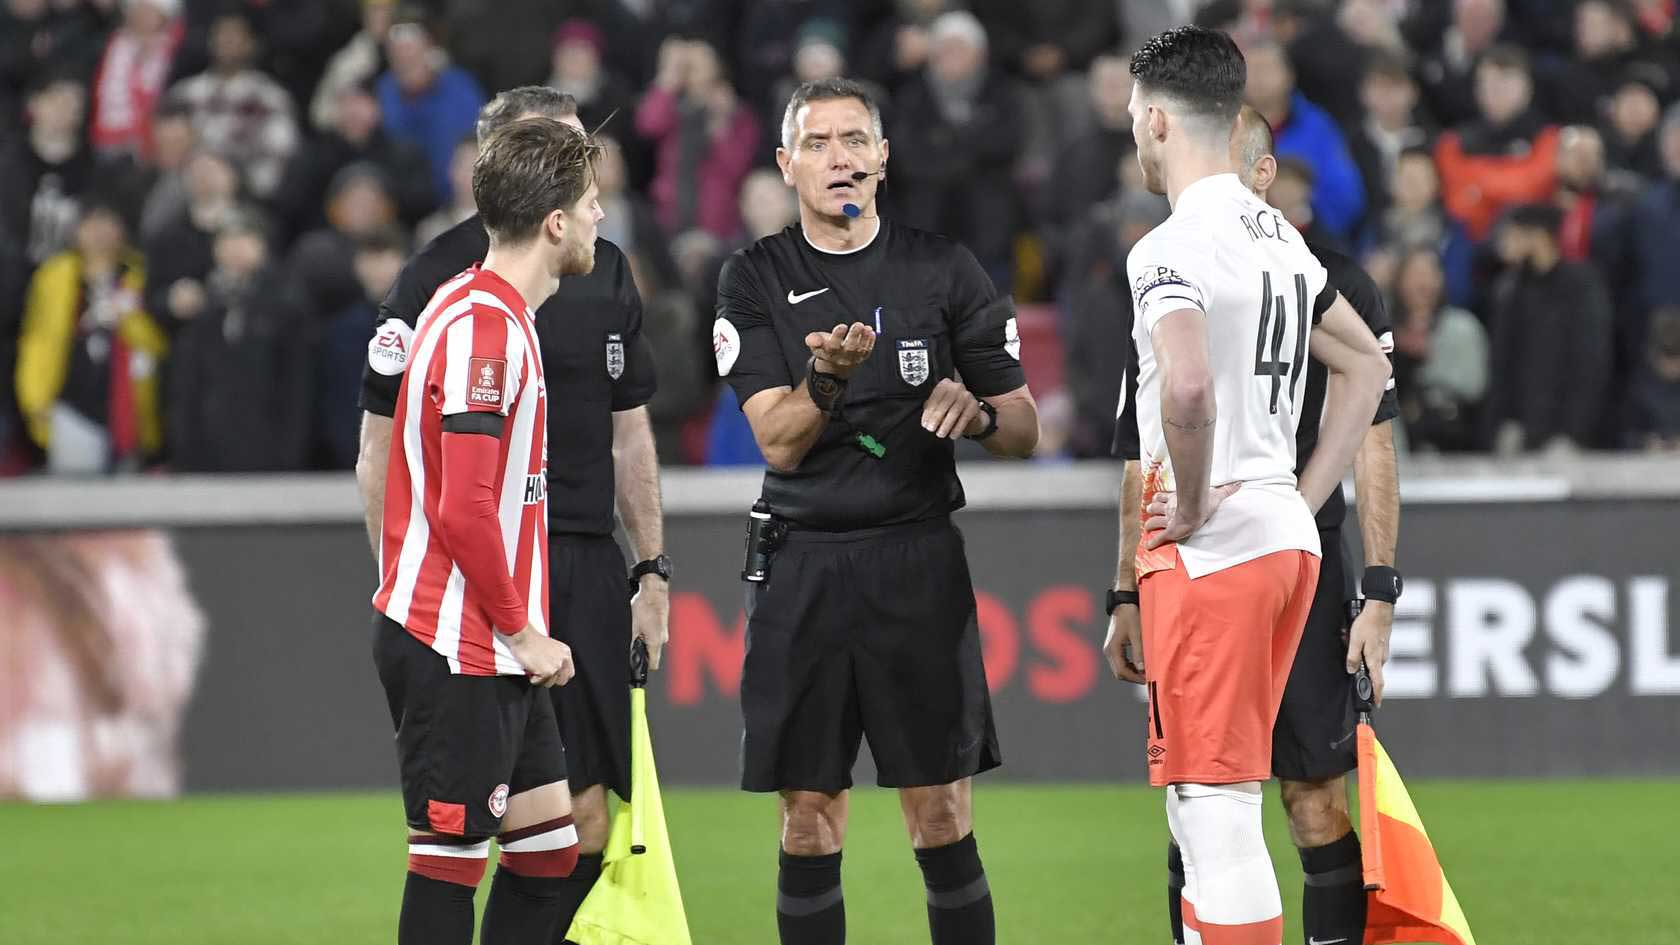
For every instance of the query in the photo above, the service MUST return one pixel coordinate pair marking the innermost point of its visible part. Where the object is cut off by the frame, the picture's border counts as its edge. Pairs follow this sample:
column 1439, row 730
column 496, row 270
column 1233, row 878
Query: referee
column 1313, row 741
column 600, row 377
column 860, row 352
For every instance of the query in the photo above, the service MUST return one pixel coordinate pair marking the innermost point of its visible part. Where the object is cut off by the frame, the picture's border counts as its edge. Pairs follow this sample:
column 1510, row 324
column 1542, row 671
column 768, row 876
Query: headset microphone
column 851, row 209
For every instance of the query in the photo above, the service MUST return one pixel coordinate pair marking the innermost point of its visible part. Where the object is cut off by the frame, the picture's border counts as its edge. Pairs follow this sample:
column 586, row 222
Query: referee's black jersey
column 1348, row 278
column 939, row 316
column 595, row 361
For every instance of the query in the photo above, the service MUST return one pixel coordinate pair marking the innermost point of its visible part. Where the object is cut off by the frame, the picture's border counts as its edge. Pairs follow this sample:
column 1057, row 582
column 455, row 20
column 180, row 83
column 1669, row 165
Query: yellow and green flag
column 1409, row 898
column 637, row 900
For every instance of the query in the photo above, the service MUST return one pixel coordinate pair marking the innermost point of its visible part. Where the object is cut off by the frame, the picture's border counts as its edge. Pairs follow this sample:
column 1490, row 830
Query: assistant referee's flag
column 637, row 900
column 1408, row 896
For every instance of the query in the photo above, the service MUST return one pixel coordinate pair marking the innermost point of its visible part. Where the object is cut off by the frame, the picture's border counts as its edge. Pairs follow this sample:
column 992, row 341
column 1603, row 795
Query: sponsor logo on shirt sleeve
column 388, row 351
column 726, row 345
column 485, row 378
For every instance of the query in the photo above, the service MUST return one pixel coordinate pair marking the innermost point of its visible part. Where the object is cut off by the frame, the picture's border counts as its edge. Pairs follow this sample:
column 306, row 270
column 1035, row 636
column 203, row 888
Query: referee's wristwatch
column 660, row 565
column 1115, row 598
column 1381, row 583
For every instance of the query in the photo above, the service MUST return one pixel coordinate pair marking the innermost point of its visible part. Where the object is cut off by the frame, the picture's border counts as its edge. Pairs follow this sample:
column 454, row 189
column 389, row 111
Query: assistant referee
column 860, row 351
column 600, row 377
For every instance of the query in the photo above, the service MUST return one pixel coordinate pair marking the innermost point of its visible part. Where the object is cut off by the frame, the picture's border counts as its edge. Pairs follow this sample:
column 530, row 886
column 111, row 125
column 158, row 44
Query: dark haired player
column 1312, row 742
column 462, row 640
column 1227, row 299
column 844, row 337
column 601, row 369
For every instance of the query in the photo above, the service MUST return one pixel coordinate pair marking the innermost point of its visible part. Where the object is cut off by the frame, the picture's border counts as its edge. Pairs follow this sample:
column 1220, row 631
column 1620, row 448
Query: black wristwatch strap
column 991, row 421
column 660, row 565
column 1115, row 598
column 1381, row 583
column 825, row 389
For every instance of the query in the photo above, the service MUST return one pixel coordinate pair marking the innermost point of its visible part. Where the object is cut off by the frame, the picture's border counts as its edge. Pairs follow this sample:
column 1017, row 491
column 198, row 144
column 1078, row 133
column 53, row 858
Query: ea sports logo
column 498, row 800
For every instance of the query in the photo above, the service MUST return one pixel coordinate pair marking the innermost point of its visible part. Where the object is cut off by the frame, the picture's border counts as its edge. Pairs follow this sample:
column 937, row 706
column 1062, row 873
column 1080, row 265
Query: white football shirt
column 1225, row 252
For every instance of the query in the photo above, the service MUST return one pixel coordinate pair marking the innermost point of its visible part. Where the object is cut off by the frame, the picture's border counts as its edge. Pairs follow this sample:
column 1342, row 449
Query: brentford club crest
column 615, row 355
column 913, row 363
column 498, row 800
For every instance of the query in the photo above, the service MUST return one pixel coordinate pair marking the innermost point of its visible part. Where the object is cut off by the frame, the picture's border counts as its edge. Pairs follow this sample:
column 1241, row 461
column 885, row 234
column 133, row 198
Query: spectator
column 1291, row 193
column 1416, row 218
column 1440, row 358
column 1607, row 44
column 173, row 144
column 1507, row 156
column 426, row 101
column 463, row 205
column 88, row 354
column 1099, row 320
column 706, row 139
column 1322, row 57
column 1595, row 228
column 1653, row 421
column 321, row 264
column 896, row 50
column 241, row 372
column 344, row 349
column 237, row 109
column 38, row 37
column 360, row 61
column 631, row 224
column 358, row 136
column 819, row 53
column 760, row 42
column 1389, row 127
column 1448, row 71
column 44, row 174
column 954, row 124
column 1551, row 331
column 1305, row 131
column 1084, row 176
column 132, row 73
column 1048, row 45
column 182, row 253
column 1656, row 220
column 1372, row 24
column 1630, row 128
column 579, row 72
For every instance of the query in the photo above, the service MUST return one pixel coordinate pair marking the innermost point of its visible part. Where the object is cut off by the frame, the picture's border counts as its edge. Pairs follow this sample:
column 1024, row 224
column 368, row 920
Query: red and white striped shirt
column 474, row 350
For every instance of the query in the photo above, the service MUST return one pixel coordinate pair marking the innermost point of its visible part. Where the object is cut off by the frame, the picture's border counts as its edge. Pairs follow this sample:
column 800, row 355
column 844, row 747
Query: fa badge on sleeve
column 913, row 361
column 615, row 355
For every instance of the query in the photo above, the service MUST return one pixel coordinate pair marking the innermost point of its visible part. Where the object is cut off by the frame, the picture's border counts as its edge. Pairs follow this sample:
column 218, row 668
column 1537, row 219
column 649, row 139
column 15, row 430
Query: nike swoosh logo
column 1327, row 941
column 795, row 299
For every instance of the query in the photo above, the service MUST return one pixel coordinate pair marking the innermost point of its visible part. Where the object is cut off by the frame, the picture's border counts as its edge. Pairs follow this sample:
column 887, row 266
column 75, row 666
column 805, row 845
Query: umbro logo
column 1156, row 751
column 795, row 298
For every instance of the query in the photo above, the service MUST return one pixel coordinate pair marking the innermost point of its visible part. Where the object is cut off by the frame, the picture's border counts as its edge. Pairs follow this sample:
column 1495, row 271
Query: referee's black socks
column 810, row 909
column 959, row 901
column 1333, row 894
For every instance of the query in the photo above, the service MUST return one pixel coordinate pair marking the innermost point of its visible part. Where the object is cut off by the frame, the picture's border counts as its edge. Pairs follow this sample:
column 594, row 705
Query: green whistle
column 871, row 445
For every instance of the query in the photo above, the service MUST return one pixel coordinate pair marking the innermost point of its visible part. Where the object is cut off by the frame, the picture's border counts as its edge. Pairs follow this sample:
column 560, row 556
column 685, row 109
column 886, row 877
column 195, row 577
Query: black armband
column 825, row 389
column 1381, row 583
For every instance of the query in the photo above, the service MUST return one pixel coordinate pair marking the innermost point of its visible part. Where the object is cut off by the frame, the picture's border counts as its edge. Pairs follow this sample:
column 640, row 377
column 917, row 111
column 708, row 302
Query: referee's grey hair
column 509, row 106
column 827, row 90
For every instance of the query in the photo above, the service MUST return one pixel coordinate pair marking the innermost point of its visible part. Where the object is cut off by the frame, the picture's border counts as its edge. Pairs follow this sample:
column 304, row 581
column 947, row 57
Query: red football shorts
column 1217, row 652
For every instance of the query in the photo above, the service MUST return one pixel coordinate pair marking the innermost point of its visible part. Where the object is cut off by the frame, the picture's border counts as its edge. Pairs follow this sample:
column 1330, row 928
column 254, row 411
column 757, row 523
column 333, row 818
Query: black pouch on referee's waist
column 764, row 535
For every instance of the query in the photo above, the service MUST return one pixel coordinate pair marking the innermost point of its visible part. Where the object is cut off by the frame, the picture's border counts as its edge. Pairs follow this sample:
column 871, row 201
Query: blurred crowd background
column 202, row 202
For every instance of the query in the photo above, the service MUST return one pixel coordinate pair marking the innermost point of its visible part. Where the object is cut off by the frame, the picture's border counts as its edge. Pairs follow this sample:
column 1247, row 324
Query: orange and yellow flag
column 1408, row 894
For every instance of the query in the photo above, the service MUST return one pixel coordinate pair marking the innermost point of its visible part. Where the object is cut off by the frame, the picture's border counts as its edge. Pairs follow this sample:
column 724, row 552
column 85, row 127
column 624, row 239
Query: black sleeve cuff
column 1322, row 304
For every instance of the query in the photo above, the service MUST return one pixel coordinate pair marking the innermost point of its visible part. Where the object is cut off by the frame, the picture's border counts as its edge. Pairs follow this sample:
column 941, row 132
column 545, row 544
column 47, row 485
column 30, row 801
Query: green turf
column 1534, row 863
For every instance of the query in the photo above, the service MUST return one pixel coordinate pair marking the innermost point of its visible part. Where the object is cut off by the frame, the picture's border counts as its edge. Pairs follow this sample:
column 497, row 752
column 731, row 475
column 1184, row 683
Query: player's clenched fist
column 545, row 659
column 840, row 351
column 950, row 411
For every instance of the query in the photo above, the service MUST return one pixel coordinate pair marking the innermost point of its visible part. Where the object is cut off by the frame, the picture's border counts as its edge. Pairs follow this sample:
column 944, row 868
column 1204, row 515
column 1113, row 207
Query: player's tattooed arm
column 1188, row 426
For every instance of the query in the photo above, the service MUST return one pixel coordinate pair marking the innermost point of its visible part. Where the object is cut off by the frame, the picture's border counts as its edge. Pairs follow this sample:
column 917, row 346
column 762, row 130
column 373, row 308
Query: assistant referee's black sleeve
column 1351, row 279
column 983, row 329
column 748, row 354
column 1125, row 445
column 640, row 380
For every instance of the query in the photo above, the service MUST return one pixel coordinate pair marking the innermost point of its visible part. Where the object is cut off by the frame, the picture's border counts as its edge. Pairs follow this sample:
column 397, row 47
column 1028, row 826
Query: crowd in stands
column 203, row 201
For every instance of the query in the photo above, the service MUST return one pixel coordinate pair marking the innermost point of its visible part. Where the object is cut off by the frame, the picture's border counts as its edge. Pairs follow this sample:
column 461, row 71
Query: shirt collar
column 1208, row 188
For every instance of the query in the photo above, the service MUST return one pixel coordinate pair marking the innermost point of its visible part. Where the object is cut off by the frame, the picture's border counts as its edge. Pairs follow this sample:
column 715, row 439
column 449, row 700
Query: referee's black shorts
column 1313, row 738
column 865, row 633
column 589, row 611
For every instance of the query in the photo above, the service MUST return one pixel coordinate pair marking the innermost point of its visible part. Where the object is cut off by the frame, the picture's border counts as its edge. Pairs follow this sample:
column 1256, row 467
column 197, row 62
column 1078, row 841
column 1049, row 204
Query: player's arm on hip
column 1358, row 374
column 1188, row 407
column 371, row 465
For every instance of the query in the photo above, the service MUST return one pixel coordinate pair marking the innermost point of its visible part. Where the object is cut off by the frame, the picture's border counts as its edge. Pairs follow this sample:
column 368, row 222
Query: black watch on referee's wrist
column 991, row 422
column 660, row 565
column 1115, row 598
column 1381, row 583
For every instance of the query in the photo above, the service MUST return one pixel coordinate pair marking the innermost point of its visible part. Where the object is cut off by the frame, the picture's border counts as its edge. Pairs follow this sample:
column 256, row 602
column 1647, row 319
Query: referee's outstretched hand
column 840, row 351
column 546, row 660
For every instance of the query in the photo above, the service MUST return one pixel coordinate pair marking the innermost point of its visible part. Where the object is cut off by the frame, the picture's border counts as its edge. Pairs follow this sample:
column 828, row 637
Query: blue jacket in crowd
column 1312, row 136
column 436, row 120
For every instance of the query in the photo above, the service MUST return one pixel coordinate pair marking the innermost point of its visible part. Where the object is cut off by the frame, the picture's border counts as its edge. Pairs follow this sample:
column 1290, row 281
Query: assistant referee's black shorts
column 589, row 611
column 1313, row 738
column 870, row 633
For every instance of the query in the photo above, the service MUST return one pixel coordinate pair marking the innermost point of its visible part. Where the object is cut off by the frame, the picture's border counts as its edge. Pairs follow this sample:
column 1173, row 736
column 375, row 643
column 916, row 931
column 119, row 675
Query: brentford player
column 461, row 641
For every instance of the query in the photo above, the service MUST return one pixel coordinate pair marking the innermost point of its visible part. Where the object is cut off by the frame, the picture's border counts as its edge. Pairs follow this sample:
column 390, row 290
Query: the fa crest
column 615, row 355
column 913, row 364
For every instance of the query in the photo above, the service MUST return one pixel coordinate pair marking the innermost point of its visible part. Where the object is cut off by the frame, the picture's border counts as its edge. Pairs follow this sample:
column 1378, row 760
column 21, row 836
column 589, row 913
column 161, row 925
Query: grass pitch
column 1534, row 863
